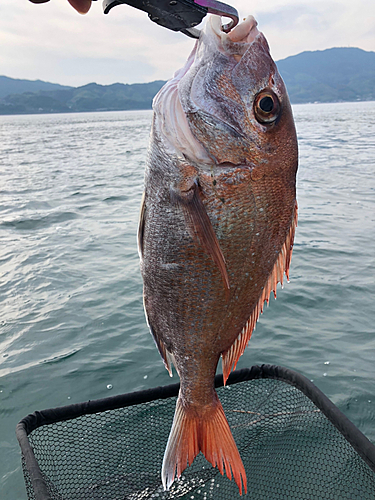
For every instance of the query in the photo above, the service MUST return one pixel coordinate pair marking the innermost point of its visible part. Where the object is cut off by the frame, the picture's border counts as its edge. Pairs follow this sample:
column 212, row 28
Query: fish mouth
column 244, row 32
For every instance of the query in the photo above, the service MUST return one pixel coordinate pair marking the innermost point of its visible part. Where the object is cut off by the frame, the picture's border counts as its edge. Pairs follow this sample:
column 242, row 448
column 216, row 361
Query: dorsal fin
column 231, row 356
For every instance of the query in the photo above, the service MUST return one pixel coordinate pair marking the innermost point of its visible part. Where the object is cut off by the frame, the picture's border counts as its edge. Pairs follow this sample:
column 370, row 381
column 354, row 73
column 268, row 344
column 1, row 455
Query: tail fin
column 210, row 433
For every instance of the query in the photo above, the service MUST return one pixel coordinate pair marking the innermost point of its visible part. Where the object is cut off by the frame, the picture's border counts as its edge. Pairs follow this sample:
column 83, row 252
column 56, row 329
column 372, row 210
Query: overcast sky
column 53, row 42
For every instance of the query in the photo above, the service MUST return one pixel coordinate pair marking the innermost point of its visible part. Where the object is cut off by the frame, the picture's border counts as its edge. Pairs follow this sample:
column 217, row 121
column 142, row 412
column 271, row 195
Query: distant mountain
column 15, row 86
column 332, row 75
column 338, row 74
column 91, row 97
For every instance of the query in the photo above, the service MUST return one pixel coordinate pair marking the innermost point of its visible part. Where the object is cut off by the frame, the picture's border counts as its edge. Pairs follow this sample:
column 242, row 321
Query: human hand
column 81, row 6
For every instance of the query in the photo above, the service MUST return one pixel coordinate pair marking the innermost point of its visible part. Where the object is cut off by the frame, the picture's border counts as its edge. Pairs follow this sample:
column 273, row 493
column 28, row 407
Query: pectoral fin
column 189, row 198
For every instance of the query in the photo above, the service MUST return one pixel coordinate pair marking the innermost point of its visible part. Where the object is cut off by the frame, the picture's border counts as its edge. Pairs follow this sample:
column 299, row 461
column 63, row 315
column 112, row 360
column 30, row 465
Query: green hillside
column 91, row 97
column 17, row 86
column 338, row 74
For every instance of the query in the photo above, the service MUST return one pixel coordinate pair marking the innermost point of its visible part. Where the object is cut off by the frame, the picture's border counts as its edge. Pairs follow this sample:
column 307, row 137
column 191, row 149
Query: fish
column 216, row 227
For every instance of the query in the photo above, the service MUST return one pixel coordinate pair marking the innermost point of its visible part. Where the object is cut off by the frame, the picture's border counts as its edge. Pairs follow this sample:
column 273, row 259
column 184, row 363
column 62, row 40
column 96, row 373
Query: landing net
column 294, row 443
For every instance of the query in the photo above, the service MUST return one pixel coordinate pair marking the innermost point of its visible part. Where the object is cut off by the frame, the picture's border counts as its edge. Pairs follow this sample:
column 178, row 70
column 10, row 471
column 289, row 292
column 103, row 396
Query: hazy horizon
column 158, row 79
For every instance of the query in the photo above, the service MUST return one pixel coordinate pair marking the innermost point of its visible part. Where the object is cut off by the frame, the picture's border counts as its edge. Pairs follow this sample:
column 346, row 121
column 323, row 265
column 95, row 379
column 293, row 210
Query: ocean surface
column 72, row 326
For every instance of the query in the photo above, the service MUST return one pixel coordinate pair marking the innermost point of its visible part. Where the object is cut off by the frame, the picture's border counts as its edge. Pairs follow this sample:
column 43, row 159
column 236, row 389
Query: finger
column 81, row 6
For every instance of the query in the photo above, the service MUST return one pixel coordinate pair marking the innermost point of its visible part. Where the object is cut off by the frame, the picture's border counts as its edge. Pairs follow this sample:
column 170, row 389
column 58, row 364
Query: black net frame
column 352, row 449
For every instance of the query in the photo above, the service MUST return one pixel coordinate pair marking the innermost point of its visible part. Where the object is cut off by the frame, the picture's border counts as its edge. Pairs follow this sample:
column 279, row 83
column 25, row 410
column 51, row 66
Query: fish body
column 216, row 227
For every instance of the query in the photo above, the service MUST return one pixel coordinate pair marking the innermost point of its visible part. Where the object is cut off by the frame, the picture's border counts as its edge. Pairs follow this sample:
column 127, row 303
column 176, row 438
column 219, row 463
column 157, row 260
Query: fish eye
column 266, row 106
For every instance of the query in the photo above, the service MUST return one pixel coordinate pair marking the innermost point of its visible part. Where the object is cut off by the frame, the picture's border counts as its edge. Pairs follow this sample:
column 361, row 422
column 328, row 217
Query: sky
column 52, row 42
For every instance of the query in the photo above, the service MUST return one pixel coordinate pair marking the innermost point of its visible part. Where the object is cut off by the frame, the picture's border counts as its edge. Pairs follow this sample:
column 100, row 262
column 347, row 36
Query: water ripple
column 30, row 224
column 72, row 319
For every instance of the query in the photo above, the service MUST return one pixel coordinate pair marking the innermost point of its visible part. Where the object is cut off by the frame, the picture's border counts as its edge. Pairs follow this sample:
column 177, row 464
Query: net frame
column 33, row 474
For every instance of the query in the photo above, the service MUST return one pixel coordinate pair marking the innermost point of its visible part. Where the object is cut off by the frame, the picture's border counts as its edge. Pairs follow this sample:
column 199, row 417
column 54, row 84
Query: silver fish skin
column 217, row 225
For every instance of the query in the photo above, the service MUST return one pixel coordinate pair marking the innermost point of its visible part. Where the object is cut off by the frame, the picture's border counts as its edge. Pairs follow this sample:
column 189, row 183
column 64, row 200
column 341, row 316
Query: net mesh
column 290, row 450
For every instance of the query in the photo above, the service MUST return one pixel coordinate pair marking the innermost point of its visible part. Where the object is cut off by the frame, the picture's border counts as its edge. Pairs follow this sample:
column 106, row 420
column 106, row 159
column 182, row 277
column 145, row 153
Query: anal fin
column 141, row 226
column 166, row 356
column 231, row 356
column 164, row 353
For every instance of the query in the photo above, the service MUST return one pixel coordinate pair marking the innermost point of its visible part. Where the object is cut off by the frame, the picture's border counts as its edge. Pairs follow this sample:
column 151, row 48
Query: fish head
column 235, row 101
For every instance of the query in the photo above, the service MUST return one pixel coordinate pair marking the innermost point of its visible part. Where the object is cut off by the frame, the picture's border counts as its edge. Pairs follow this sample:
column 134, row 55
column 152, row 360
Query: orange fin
column 210, row 434
column 231, row 356
column 199, row 224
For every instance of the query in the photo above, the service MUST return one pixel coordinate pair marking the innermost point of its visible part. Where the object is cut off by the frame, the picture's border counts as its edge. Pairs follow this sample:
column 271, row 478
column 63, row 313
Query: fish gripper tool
column 180, row 15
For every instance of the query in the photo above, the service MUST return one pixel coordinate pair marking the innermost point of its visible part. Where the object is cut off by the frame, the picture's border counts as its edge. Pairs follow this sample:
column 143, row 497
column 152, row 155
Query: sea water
column 72, row 326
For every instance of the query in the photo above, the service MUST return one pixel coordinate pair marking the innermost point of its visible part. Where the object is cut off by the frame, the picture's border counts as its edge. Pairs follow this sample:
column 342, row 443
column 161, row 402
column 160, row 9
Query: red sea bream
column 217, row 226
